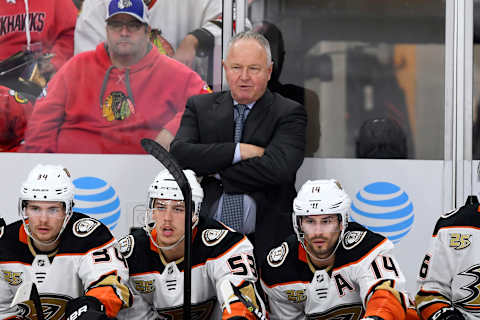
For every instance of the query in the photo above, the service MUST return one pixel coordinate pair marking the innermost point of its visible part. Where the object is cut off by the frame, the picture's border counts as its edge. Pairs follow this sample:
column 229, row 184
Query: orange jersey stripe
column 431, row 309
column 238, row 310
column 107, row 296
column 366, row 255
column 383, row 304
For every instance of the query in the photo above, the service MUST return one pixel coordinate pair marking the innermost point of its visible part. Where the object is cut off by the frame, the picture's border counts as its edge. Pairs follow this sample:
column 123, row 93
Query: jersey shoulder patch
column 85, row 226
column 212, row 237
column 277, row 255
column 352, row 238
column 84, row 233
column 465, row 216
column 357, row 243
column 125, row 245
column 286, row 263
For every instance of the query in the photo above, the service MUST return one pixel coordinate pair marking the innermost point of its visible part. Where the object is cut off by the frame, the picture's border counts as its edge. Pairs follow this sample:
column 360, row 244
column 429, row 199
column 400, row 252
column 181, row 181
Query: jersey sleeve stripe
column 233, row 247
column 19, row 262
column 87, row 252
column 454, row 227
column 286, row 283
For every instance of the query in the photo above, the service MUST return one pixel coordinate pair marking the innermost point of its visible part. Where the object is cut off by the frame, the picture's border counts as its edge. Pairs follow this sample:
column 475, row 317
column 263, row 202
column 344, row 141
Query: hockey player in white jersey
column 70, row 257
column 332, row 269
column 449, row 278
column 221, row 259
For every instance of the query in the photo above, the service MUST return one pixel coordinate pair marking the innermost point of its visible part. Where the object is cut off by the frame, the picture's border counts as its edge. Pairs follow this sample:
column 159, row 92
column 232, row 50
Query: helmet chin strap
column 169, row 247
column 312, row 255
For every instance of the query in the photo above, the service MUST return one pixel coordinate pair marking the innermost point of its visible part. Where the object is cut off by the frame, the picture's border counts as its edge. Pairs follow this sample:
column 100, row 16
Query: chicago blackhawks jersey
column 450, row 272
column 363, row 263
column 85, row 259
column 15, row 110
column 218, row 254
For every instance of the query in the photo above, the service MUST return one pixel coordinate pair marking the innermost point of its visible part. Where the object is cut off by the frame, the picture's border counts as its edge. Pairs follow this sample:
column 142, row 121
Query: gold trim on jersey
column 12, row 278
column 53, row 307
column 312, row 266
column 200, row 311
column 389, row 286
column 34, row 253
column 426, row 298
column 344, row 311
column 164, row 261
column 249, row 291
column 119, row 288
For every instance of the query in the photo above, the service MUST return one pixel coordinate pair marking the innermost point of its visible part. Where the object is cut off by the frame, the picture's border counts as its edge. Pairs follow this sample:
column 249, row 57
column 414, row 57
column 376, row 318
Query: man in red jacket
column 51, row 25
column 47, row 31
column 14, row 113
column 107, row 100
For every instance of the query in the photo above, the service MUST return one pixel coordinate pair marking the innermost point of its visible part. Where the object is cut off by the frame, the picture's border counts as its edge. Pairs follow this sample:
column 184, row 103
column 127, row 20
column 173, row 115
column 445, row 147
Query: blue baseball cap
column 135, row 8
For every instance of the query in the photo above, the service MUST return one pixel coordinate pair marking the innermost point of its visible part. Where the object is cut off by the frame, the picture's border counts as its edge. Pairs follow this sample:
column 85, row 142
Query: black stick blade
column 168, row 161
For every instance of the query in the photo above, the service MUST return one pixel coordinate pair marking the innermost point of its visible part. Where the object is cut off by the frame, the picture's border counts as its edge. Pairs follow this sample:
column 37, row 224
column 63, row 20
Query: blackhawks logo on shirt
column 117, row 106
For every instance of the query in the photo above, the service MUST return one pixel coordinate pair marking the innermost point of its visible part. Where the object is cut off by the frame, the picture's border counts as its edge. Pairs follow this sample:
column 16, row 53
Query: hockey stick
column 250, row 306
column 28, row 292
column 169, row 162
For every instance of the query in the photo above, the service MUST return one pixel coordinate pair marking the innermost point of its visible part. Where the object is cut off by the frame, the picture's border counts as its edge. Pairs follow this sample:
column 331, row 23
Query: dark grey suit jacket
column 204, row 143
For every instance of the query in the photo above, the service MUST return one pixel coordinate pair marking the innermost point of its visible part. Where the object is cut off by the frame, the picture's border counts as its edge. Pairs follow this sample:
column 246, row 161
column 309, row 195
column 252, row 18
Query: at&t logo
column 385, row 208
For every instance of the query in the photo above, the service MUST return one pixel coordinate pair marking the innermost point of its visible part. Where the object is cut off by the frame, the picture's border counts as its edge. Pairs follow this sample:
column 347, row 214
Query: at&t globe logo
column 385, row 208
column 96, row 198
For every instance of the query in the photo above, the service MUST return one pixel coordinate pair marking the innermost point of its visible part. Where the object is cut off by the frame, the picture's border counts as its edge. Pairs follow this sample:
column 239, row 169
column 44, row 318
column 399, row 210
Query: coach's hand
column 248, row 151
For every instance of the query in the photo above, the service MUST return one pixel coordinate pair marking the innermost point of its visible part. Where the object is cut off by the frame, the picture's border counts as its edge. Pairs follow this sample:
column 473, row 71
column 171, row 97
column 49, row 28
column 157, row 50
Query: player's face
column 321, row 233
column 247, row 70
column 127, row 37
column 169, row 217
column 45, row 219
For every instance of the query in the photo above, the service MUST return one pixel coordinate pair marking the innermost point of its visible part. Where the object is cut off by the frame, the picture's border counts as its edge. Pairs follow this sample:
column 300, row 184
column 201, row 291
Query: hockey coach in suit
column 247, row 143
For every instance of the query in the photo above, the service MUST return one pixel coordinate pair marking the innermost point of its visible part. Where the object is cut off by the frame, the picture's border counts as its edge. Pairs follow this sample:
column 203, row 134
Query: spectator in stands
column 105, row 101
column 182, row 28
column 14, row 113
column 26, row 48
column 50, row 29
column 78, row 4
column 381, row 138
column 247, row 143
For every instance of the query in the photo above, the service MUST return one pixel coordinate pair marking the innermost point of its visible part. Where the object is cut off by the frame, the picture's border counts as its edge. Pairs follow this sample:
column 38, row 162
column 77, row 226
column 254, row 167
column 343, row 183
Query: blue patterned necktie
column 232, row 205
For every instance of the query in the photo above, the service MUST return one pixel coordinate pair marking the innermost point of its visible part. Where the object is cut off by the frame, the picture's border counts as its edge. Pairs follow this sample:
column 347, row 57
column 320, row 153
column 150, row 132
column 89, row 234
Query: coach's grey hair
column 252, row 35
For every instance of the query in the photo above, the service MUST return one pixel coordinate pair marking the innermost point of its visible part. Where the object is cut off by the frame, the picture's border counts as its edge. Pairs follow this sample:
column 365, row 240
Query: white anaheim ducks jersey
column 86, row 254
column 295, row 290
column 217, row 254
column 450, row 272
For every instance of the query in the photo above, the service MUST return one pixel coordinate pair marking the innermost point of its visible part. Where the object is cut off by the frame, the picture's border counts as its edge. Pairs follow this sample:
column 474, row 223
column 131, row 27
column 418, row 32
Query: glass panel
column 370, row 73
column 476, row 85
